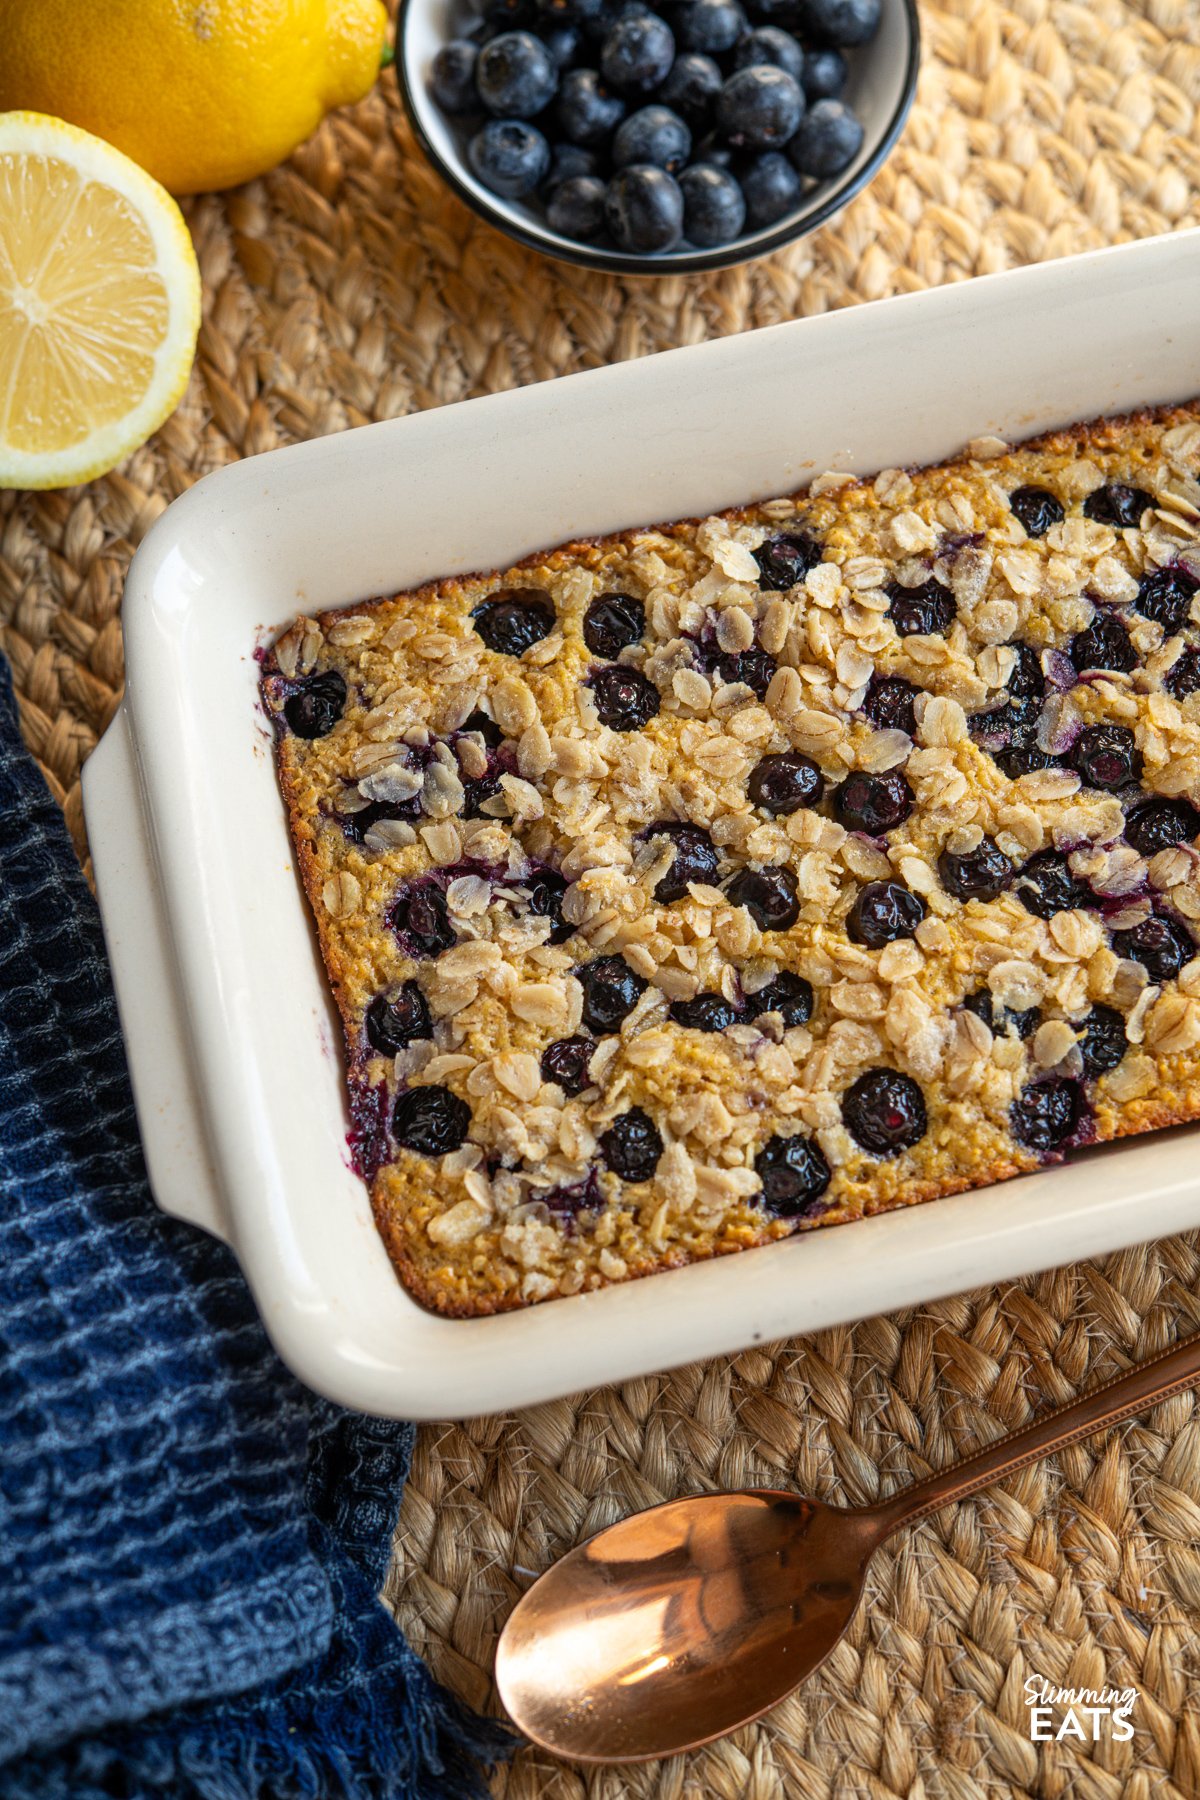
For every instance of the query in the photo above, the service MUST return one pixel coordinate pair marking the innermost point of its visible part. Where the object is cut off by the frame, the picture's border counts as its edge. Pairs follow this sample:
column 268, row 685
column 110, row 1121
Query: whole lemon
column 202, row 93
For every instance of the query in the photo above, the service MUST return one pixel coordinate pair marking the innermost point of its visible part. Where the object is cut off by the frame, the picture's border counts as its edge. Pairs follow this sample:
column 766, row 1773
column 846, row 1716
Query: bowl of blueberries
column 664, row 138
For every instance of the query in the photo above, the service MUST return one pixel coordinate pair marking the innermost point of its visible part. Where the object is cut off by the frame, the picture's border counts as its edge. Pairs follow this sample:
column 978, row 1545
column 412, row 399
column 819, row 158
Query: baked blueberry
column 981, row 874
column 712, row 26
column 1183, row 677
column 841, row 22
column 1161, row 945
column 1045, row 885
column 786, row 559
column 652, row 134
column 632, row 1145
column 770, row 44
column 1046, row 1115
column 924, row 611
column 769, row 896
column 430, row 1120
column 515, row 75
column 882, row 912
column 793, row 1173
column 395, row 1021
column 452, row 77
column 510, row 157
column 789, row 995
column 546, row 892
column 612, row 622
column 785, row 782
column 828, row 139
column 317, row 704
column 714, row 207
column 1104, row 645
column 487, row 728
column 625, row 698
column 691, row 88
column 637, row 54
column 421, row 920
column 587, row 112
column 695, row 858
column 476, row 791
column 1166, row 597
column 566, row 1062
column 1117, row 505
column 884, row 1112
column 576, row 207
column 889, row 704
column 611, row 990
column 1161, row 823
column 513, row 619
column 759, row 108
column 644, row 209
column 704, row 1012
column 754, row 668
column 1106, row 756
column 824, row 75
column 874, row 804
column 1037, row 509
column 1023, row 759
column 1027, row 680
column 1104, row 1042
column 771, row 188
column 984, row 1004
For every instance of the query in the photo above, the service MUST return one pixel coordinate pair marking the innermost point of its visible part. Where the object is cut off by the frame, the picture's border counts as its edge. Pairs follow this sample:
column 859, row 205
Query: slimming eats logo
column 1087, row 1712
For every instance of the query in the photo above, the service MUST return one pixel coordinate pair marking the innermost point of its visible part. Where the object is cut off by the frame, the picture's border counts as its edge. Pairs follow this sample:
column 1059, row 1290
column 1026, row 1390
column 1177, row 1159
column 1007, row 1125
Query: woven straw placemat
column 350, row 286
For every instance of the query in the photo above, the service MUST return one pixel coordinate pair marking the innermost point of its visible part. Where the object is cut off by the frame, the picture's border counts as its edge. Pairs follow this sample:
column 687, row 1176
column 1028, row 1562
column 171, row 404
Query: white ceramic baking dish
column 232, row 1041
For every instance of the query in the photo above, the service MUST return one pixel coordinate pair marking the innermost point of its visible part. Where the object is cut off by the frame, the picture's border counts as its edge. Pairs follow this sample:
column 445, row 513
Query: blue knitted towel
column 190, row 1542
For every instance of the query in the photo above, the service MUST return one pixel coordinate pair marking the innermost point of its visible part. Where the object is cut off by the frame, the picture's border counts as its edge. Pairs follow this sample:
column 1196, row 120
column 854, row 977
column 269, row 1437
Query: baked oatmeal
column 707, row 883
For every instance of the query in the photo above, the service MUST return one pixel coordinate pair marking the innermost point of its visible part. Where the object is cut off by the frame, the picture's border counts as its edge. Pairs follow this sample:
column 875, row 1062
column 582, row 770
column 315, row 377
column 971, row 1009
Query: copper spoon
column 683, row 1622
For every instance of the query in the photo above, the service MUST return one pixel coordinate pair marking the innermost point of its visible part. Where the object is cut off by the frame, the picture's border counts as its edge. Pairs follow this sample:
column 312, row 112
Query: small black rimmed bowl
column 882, row 81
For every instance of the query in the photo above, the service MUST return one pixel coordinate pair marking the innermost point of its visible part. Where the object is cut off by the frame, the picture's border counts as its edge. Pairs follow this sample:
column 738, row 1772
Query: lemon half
column 99, row 303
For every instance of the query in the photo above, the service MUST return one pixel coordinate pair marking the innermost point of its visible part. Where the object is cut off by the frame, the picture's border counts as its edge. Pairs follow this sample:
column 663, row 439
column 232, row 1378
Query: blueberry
column 487, row 729
column 421, row 921
column 1104, row 645
column 769, row 896
column 509, row 15
column 925, row 611
column 653, row 134
column 983, row 874
column 546, row 891
column 567, row 161
column 1106, row 756
column 882, row 912
column 775, row 12
column 430, row 1120
column 632, row 1146
column 884, row 1112
column 695, row 859
column 644, row 209
column 1166, row 597
column 611, row 990
column 984, row 1004
column 393, row 1023
column 1103, row 1043
column 785, row 560
column 1161, row 946
column 1045, row 885
column 714, row 208
column 576, row 208
column 692, row 87
column 1183, row 677
column 512, row 619
column 1027, row 679
column 789, row 995
column 625, row 698
column 709, row 25
column 752, row 668
column 759, row 108
column 1047, row 1114
column 509, row 157
column 569, row 12
column 637, row 54
column 1161, row 823
column 476, row 791
column 316, row 705
column 612, row 622
column 566, row 1061
column 829, row 138
column 874, row 804
column 705, row 1012
column 771, row 187
column 785, row 782
column 515, row 75
column 824, row 75
column 452, row 77
column 794, row 1175
column 889, row 704
column 842, row 22
column 1037, row 509
column 1118, row 505
column 564, row 44
column 768, row 44
column 587, row 113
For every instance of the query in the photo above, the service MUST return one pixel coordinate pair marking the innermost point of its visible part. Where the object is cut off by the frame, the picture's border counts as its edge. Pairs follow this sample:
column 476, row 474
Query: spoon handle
column 1161, row 1377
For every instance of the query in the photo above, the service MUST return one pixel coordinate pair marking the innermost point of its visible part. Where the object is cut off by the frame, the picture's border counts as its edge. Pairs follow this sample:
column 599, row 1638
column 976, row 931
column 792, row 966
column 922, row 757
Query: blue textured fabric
column 190, row 1542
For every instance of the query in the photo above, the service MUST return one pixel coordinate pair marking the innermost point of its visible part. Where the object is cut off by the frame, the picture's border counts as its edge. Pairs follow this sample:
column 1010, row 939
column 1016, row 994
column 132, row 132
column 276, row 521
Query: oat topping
column 707, row 883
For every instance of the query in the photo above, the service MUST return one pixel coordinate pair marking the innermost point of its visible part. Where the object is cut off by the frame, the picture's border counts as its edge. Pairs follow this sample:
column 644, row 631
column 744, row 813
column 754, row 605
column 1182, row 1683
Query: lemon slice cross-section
column 99, row 303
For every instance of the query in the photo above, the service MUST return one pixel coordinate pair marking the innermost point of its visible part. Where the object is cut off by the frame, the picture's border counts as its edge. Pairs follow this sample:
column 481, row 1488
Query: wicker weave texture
column 348, row 286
